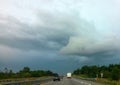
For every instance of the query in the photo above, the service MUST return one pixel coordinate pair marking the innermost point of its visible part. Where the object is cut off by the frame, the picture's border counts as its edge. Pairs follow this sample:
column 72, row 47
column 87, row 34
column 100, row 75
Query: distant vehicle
column 69, row 75
column 56, row 78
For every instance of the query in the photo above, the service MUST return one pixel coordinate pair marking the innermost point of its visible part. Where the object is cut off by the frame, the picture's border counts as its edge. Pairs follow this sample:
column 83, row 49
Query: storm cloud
column 81, row 32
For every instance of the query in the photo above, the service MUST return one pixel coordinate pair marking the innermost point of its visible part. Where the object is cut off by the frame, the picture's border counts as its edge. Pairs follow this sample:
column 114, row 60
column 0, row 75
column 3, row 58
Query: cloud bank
column 85, row 47
column 81, row 30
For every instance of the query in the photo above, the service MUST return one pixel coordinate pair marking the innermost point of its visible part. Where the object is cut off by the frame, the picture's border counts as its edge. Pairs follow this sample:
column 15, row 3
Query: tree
column 77, row 71
column 26, row 69
column 6, row 70
column 25, row 72
column 111, row 72
column 116, row 74
column 10, row 74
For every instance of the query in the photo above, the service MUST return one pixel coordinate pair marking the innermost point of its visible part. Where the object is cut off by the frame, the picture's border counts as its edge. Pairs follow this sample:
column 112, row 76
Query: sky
column 59, row 35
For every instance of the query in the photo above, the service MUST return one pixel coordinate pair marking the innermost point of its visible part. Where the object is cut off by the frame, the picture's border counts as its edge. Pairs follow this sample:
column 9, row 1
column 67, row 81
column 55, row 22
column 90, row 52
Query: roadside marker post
column 96, row 77
column 101, row 75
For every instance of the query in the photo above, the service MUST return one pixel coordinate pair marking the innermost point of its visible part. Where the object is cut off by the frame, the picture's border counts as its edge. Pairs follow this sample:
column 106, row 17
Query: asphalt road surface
column 71, row 81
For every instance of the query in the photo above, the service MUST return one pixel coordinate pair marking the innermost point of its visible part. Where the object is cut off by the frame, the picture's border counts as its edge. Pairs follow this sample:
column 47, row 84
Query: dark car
column 57, row 78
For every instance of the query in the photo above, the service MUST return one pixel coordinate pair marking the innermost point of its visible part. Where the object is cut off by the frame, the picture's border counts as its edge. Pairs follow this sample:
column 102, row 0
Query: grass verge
column 100, row 80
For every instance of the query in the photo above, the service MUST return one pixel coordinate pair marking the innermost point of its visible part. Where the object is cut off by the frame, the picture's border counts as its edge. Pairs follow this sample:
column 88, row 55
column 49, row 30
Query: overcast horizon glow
column 59, row 35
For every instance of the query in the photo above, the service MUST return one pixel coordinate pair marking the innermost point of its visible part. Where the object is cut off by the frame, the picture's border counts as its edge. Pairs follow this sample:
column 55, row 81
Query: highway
column 64, row 81
column 71, row 81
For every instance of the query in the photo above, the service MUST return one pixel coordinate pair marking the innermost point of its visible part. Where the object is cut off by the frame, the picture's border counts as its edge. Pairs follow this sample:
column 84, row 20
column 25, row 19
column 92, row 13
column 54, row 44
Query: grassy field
column 107, row 81
column 3, row 81
column 103, row 80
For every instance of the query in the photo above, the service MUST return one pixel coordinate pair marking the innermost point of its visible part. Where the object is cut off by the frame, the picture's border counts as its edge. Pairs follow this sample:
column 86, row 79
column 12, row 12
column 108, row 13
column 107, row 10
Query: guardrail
column 89, row 79
column 31, row 82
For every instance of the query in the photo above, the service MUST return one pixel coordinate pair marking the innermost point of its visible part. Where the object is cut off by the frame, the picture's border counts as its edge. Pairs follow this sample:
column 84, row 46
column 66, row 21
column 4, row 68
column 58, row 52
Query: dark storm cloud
column 18, row 35
column 82, row 31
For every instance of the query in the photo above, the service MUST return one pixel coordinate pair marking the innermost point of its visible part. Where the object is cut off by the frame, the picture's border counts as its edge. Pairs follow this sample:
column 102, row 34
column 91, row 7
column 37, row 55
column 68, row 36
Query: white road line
column 46, row 83
column 85, row 83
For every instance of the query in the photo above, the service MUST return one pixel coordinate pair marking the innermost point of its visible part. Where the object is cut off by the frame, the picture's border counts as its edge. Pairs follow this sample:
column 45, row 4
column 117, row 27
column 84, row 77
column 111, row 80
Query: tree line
column 25, row 73
column 111, row 71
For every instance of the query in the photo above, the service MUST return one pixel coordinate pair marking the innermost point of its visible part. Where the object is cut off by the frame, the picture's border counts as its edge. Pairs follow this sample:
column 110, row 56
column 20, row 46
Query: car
column 57, row 78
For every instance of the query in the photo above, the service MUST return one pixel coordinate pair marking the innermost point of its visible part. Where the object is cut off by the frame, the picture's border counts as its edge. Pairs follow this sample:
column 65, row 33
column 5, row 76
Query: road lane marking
column 46, row 83
column 85, row 83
